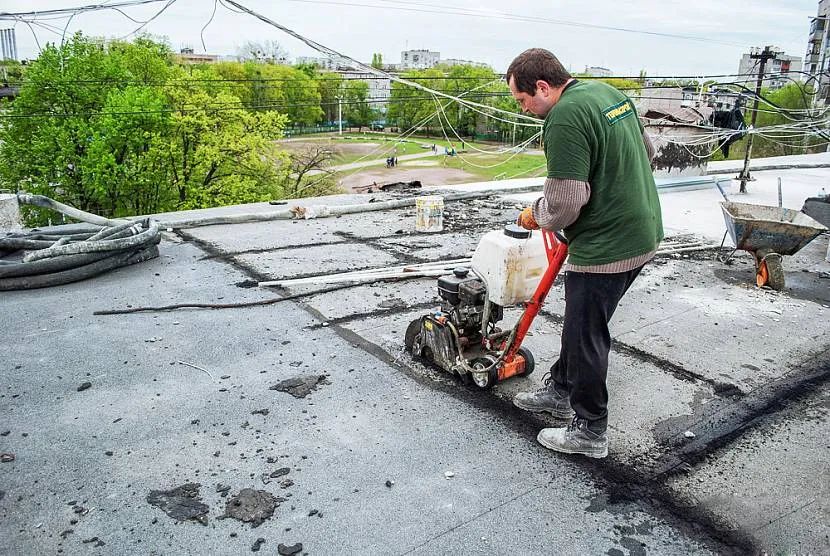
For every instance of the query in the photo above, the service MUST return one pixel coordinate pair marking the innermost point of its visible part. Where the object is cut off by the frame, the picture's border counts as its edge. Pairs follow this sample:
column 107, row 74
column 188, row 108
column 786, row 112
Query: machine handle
column 557, row 251
column 553, row 241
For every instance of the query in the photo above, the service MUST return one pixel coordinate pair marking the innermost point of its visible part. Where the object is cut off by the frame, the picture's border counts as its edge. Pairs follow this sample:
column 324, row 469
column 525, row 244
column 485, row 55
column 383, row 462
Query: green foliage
column 49, row 127
column 308, row 69
column 357, row 110
column 220, row 153
column 408, row 112
column 793, row 99
column 504, row 130
column 626, row 85
column 118, row 130
column 11, row 71
column 480, row 85
column 377, row 60
column 329, row 86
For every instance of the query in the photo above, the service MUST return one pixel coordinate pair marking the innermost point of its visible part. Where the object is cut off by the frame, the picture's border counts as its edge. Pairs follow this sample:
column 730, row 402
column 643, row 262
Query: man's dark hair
column 536, row 64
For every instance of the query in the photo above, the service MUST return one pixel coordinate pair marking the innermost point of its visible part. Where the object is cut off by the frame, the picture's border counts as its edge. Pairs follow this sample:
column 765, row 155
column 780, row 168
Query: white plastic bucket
column 429, row 213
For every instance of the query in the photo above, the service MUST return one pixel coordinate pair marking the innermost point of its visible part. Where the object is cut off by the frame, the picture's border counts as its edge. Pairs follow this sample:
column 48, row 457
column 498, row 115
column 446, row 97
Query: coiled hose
column 59, row 255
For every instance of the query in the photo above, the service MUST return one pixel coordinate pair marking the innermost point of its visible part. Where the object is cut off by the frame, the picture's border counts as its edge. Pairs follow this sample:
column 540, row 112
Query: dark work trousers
column 580, row 371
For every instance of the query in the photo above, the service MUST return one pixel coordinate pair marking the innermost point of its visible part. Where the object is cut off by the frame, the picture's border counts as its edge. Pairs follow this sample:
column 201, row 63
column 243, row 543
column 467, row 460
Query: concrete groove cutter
column 509, row 267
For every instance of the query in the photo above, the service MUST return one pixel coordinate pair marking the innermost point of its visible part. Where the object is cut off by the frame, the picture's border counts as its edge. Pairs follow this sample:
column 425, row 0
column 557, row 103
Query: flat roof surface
column 718, row 420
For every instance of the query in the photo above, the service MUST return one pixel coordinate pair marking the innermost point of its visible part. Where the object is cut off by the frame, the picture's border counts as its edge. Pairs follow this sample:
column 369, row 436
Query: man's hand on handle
column 526, row 219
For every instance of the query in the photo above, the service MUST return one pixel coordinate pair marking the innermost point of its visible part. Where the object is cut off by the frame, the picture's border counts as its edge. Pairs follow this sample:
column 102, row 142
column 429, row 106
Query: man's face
column 538, row 104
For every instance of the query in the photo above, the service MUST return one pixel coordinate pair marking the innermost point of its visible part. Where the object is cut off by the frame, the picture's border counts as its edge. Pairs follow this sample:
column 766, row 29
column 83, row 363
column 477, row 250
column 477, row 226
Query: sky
column 577, row 31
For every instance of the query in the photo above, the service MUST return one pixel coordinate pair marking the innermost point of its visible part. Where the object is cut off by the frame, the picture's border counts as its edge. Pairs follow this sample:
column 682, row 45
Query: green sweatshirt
column 593, row 134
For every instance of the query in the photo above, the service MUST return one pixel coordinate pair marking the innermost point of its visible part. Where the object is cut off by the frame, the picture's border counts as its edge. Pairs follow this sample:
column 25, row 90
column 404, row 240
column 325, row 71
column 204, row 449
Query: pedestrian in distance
column 600, row 191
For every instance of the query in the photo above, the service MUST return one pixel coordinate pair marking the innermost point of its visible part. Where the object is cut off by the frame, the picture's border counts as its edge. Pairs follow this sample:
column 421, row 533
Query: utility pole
column 340, row 115
column 763, row 56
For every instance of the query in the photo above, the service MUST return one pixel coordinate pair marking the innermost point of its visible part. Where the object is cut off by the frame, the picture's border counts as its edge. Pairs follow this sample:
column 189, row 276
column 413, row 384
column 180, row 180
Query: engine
column 463, row 298
column 457, row 323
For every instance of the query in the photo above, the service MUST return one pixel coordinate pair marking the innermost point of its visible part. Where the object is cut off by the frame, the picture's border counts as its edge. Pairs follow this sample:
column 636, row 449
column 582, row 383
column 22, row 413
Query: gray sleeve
column 649, row 146
column 561, row 202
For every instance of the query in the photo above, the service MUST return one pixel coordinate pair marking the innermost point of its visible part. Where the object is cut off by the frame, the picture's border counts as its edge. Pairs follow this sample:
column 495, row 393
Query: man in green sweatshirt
column 600, row 191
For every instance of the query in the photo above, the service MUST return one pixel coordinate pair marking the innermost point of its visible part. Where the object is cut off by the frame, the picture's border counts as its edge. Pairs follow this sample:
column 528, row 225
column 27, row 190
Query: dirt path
column 427, row 176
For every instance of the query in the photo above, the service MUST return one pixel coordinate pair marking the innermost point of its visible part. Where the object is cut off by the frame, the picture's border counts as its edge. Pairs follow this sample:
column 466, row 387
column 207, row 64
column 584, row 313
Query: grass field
column 389, row 143
column 477, row 166
column 494, row 167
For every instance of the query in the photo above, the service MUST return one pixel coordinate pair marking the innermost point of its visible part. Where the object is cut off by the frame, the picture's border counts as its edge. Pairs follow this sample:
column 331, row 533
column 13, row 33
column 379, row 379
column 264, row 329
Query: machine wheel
column 483, row 379
column 530, row 363
column 770, row 272
column 412, row 333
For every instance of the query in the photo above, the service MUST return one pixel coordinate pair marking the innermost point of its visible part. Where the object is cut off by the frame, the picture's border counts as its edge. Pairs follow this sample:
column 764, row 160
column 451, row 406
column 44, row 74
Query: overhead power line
column 439, row 9
column 369, row 77
column 64, row 12
column 333, row 53
column 232, row 106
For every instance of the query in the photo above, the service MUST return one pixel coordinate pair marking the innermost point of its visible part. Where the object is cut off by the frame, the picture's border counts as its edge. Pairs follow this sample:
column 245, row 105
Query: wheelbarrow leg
column 719, row 254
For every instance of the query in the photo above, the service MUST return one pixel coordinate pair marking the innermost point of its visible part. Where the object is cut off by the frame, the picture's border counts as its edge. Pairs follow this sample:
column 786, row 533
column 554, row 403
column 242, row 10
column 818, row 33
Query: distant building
column 458, row 62
column 596, row 71
column 187, row 56
column 8, row 44
column 332, row 63
column 816, row 61
column 779, row 71
column 671, row 100
column 419, row 59
column 379, row 87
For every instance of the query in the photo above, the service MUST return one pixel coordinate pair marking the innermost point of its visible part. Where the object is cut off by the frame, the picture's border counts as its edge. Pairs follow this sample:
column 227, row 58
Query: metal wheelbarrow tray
column 767, row 233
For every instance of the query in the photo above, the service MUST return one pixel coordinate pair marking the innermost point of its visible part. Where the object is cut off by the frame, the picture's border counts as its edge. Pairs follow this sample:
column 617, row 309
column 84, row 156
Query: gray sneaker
column 575, row 439
column 544, row 401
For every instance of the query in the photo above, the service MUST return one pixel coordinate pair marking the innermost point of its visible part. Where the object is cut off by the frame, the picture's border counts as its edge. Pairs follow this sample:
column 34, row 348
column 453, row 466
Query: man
column 600, row 191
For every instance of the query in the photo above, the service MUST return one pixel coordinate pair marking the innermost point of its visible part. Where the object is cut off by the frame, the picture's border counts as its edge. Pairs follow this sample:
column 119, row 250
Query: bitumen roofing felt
column 718, row 401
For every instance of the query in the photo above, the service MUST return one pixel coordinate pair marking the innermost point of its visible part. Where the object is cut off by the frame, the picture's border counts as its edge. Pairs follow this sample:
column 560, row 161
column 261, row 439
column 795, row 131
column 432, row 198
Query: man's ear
column 543, row 87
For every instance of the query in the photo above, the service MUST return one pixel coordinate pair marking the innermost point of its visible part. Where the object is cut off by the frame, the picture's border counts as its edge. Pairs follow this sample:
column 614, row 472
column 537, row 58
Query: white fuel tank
column 511, row 262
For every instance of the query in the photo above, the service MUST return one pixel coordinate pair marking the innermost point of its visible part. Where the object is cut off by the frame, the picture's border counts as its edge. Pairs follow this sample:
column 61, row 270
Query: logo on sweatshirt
column 617, row 112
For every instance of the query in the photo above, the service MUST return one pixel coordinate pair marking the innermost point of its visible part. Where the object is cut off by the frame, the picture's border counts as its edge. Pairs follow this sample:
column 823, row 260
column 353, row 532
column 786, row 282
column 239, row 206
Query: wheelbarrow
column 768, row 233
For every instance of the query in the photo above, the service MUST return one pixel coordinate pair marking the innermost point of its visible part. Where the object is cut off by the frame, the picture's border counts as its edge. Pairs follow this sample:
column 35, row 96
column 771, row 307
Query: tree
column 302, row 98
column 118, row 130
column 787, row 105
column 628, row 86
column 477, row 84
column 329, row 86
column 410, row 107
column 11, row 71
column 268, row 51
column 377, row 60
column 309, row 162
column 514, row 131
column 126, row 166
column 262, row 89
column 45, row 140
column 357, row 110
column 219, row 153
